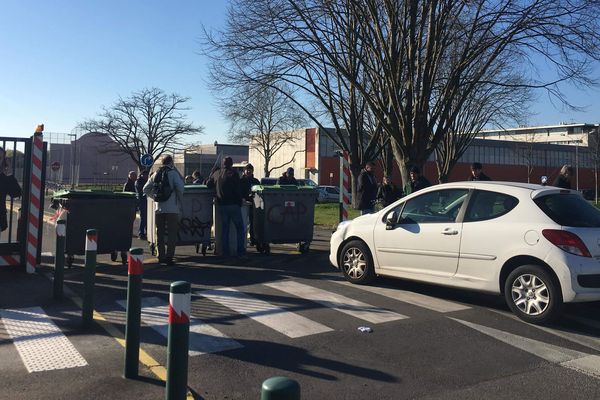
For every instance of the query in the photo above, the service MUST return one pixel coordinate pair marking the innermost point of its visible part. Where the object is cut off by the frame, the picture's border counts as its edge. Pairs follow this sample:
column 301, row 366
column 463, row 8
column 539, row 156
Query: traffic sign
column 55, row 166
column 146, row 160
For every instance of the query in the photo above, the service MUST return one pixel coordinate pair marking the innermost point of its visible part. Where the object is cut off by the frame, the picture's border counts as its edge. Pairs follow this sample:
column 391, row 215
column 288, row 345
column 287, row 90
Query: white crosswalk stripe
column 337, row 302
column 203, row 337
column 40, row 343
column 275, row 317
column 417, row 299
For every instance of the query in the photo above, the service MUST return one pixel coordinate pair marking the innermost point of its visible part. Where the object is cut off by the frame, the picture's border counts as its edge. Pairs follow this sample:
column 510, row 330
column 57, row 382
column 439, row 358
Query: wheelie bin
column 194, row 224
column 283, row 214
column 111, row 213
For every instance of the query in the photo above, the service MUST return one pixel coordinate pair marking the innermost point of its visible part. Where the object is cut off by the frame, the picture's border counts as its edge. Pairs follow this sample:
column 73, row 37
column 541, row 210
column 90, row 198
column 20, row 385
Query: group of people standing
column 368, row 191
column 231, row 191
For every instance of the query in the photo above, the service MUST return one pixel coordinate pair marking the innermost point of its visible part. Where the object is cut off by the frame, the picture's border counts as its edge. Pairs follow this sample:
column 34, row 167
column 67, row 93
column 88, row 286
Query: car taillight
column 567, row 241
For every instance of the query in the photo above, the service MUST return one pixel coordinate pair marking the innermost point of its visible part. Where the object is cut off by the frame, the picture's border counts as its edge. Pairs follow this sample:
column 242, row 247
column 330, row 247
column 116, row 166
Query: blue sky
column 61, row 61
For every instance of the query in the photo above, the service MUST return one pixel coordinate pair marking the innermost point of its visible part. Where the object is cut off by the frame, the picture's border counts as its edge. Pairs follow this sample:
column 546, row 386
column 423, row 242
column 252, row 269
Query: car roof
column 514, row 188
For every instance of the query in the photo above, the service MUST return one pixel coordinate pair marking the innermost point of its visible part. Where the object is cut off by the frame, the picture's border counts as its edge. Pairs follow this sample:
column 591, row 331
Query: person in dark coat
column 366, row 189
column 229, row 202
column 246, row 182
column 129, row 186
column 416, row 181
column 287, row 178
column 198, row 180
column 8, row 187
column 388, row 192
column 142, row 200
column 477, row 174
column 563, row 180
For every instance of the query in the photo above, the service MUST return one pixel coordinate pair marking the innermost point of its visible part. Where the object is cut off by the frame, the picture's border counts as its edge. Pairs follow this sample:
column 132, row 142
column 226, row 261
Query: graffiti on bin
column 291, row 211
column 193, row 227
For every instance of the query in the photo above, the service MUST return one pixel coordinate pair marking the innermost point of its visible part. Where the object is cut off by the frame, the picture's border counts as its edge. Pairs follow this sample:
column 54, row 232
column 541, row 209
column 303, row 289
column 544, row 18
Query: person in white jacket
column 168, row 211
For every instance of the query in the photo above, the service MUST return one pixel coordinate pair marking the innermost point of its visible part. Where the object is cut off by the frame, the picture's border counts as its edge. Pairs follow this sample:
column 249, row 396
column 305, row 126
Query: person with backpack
column 142, row 202
column 165, row 187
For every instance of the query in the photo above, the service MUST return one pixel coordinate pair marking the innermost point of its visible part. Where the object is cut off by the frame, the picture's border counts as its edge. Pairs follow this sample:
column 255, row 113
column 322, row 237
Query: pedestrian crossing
column 277, row 306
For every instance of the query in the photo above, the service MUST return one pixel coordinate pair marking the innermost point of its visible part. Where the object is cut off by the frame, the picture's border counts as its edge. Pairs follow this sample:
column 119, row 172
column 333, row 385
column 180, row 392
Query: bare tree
column 272, row 42
column 149, row 122
column 487, row 105
column 265, row 118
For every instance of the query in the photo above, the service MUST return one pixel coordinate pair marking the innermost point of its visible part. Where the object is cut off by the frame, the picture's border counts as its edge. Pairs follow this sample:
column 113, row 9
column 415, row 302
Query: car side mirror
column 390, row 220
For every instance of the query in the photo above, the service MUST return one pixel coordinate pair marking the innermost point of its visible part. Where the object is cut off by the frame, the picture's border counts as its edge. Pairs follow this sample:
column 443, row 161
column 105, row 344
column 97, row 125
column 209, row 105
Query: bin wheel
column 263, row 248
column 204, row 247
column 113, row 256
column 70, row 259
column 152, row 249
column 124, row 257
column 303, row 247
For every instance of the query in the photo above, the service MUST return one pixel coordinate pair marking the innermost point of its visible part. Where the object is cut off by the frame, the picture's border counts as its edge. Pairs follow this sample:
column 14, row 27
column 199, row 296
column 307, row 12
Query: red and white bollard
column 344, row 186
column 33, row 219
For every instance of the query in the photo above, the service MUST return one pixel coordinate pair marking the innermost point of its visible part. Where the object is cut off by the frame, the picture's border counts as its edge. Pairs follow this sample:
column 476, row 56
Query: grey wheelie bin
column 112, row 214
column 194, row 224
column 283, row 214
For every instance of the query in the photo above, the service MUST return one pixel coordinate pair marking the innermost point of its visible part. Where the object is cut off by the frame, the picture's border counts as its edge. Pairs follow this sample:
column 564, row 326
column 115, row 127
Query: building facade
column 204, row 157
column 572, row 134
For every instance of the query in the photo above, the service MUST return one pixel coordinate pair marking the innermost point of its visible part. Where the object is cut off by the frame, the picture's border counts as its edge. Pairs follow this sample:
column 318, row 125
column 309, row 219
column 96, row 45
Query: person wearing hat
column 229, row 201
column 246, row 182
column 416, row 181
column 366, row 189
column 287, row 178
column 477, row 174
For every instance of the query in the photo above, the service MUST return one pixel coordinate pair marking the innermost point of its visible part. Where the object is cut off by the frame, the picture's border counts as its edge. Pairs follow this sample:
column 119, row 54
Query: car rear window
column 569, row 210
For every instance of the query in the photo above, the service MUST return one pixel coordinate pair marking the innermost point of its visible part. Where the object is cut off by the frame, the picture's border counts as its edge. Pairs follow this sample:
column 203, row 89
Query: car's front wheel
column 356, row 262
column 532, row 294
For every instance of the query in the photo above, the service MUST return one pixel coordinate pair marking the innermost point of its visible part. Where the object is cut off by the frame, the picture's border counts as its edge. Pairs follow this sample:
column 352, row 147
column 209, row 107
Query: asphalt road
column 292, row 315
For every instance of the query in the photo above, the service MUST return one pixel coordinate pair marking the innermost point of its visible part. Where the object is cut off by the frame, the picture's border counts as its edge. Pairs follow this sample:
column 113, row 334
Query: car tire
column 532, row 294
column 356, row 262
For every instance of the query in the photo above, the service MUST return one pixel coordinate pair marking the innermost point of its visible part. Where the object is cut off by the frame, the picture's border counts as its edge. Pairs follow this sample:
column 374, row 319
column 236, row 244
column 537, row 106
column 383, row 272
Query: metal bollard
column 59, row 258
column 280, row 388
column 134, row 311
column 178, row 342
column 91, row 247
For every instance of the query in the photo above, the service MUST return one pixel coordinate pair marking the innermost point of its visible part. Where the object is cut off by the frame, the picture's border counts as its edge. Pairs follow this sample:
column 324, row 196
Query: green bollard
column 134, row 311
column 280, row 388
column 59, row 258
column 178, row 342
column 91, row 248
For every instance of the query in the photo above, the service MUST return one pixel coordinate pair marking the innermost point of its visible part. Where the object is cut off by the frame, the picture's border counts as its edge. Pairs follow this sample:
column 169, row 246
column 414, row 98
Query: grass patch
column 328, row 214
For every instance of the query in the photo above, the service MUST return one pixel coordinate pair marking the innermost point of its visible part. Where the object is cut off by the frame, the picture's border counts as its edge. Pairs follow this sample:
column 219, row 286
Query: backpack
column 160, row 187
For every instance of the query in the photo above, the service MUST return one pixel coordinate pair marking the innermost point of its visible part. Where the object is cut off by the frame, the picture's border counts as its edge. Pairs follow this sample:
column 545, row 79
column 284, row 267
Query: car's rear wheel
column 532, row 294
column 356, row 262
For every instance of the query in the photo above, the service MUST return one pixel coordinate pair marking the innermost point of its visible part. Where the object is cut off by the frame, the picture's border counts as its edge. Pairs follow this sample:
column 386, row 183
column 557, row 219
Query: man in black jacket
column 477, row 174
column 8, row 187
column 366, row 189
column 247, row 181
column 229, row 202
column 416, row 181
column 129, row 186
column 388, row 192
column 287, row 178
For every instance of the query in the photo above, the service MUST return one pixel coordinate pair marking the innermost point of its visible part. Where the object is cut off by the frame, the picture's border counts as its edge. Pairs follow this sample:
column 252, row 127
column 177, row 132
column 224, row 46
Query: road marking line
column 337, row 302
column 572, row 336
column 40, row 343
column 204, row 338
column 575, row 360
column 275, row 317
column 417, row 299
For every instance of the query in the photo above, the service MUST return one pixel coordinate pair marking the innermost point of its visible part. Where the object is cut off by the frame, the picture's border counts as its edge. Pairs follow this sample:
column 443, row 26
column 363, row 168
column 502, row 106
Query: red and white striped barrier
column 6, row 261
column 35, row 193
column 135, row 264
column 91, row 241
column 179, row 308
column 345, row 186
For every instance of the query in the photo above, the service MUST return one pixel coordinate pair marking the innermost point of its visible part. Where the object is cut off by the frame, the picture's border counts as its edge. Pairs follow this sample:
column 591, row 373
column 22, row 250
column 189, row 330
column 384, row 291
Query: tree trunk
column 354, row 172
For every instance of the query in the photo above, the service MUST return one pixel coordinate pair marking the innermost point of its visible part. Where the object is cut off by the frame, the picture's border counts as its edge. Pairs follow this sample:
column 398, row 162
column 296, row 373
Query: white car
column 539, row 246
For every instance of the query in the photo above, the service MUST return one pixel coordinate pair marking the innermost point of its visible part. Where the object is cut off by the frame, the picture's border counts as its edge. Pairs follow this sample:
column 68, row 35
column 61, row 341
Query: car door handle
column 449, row 231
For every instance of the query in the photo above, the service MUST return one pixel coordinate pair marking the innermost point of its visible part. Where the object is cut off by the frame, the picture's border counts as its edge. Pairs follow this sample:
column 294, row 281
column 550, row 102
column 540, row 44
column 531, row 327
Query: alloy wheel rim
column 354, row 263
column 530, row 294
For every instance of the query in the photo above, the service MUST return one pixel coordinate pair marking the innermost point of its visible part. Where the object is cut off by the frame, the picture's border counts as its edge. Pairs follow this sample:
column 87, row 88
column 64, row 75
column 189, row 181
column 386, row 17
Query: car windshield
column 569, row 210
